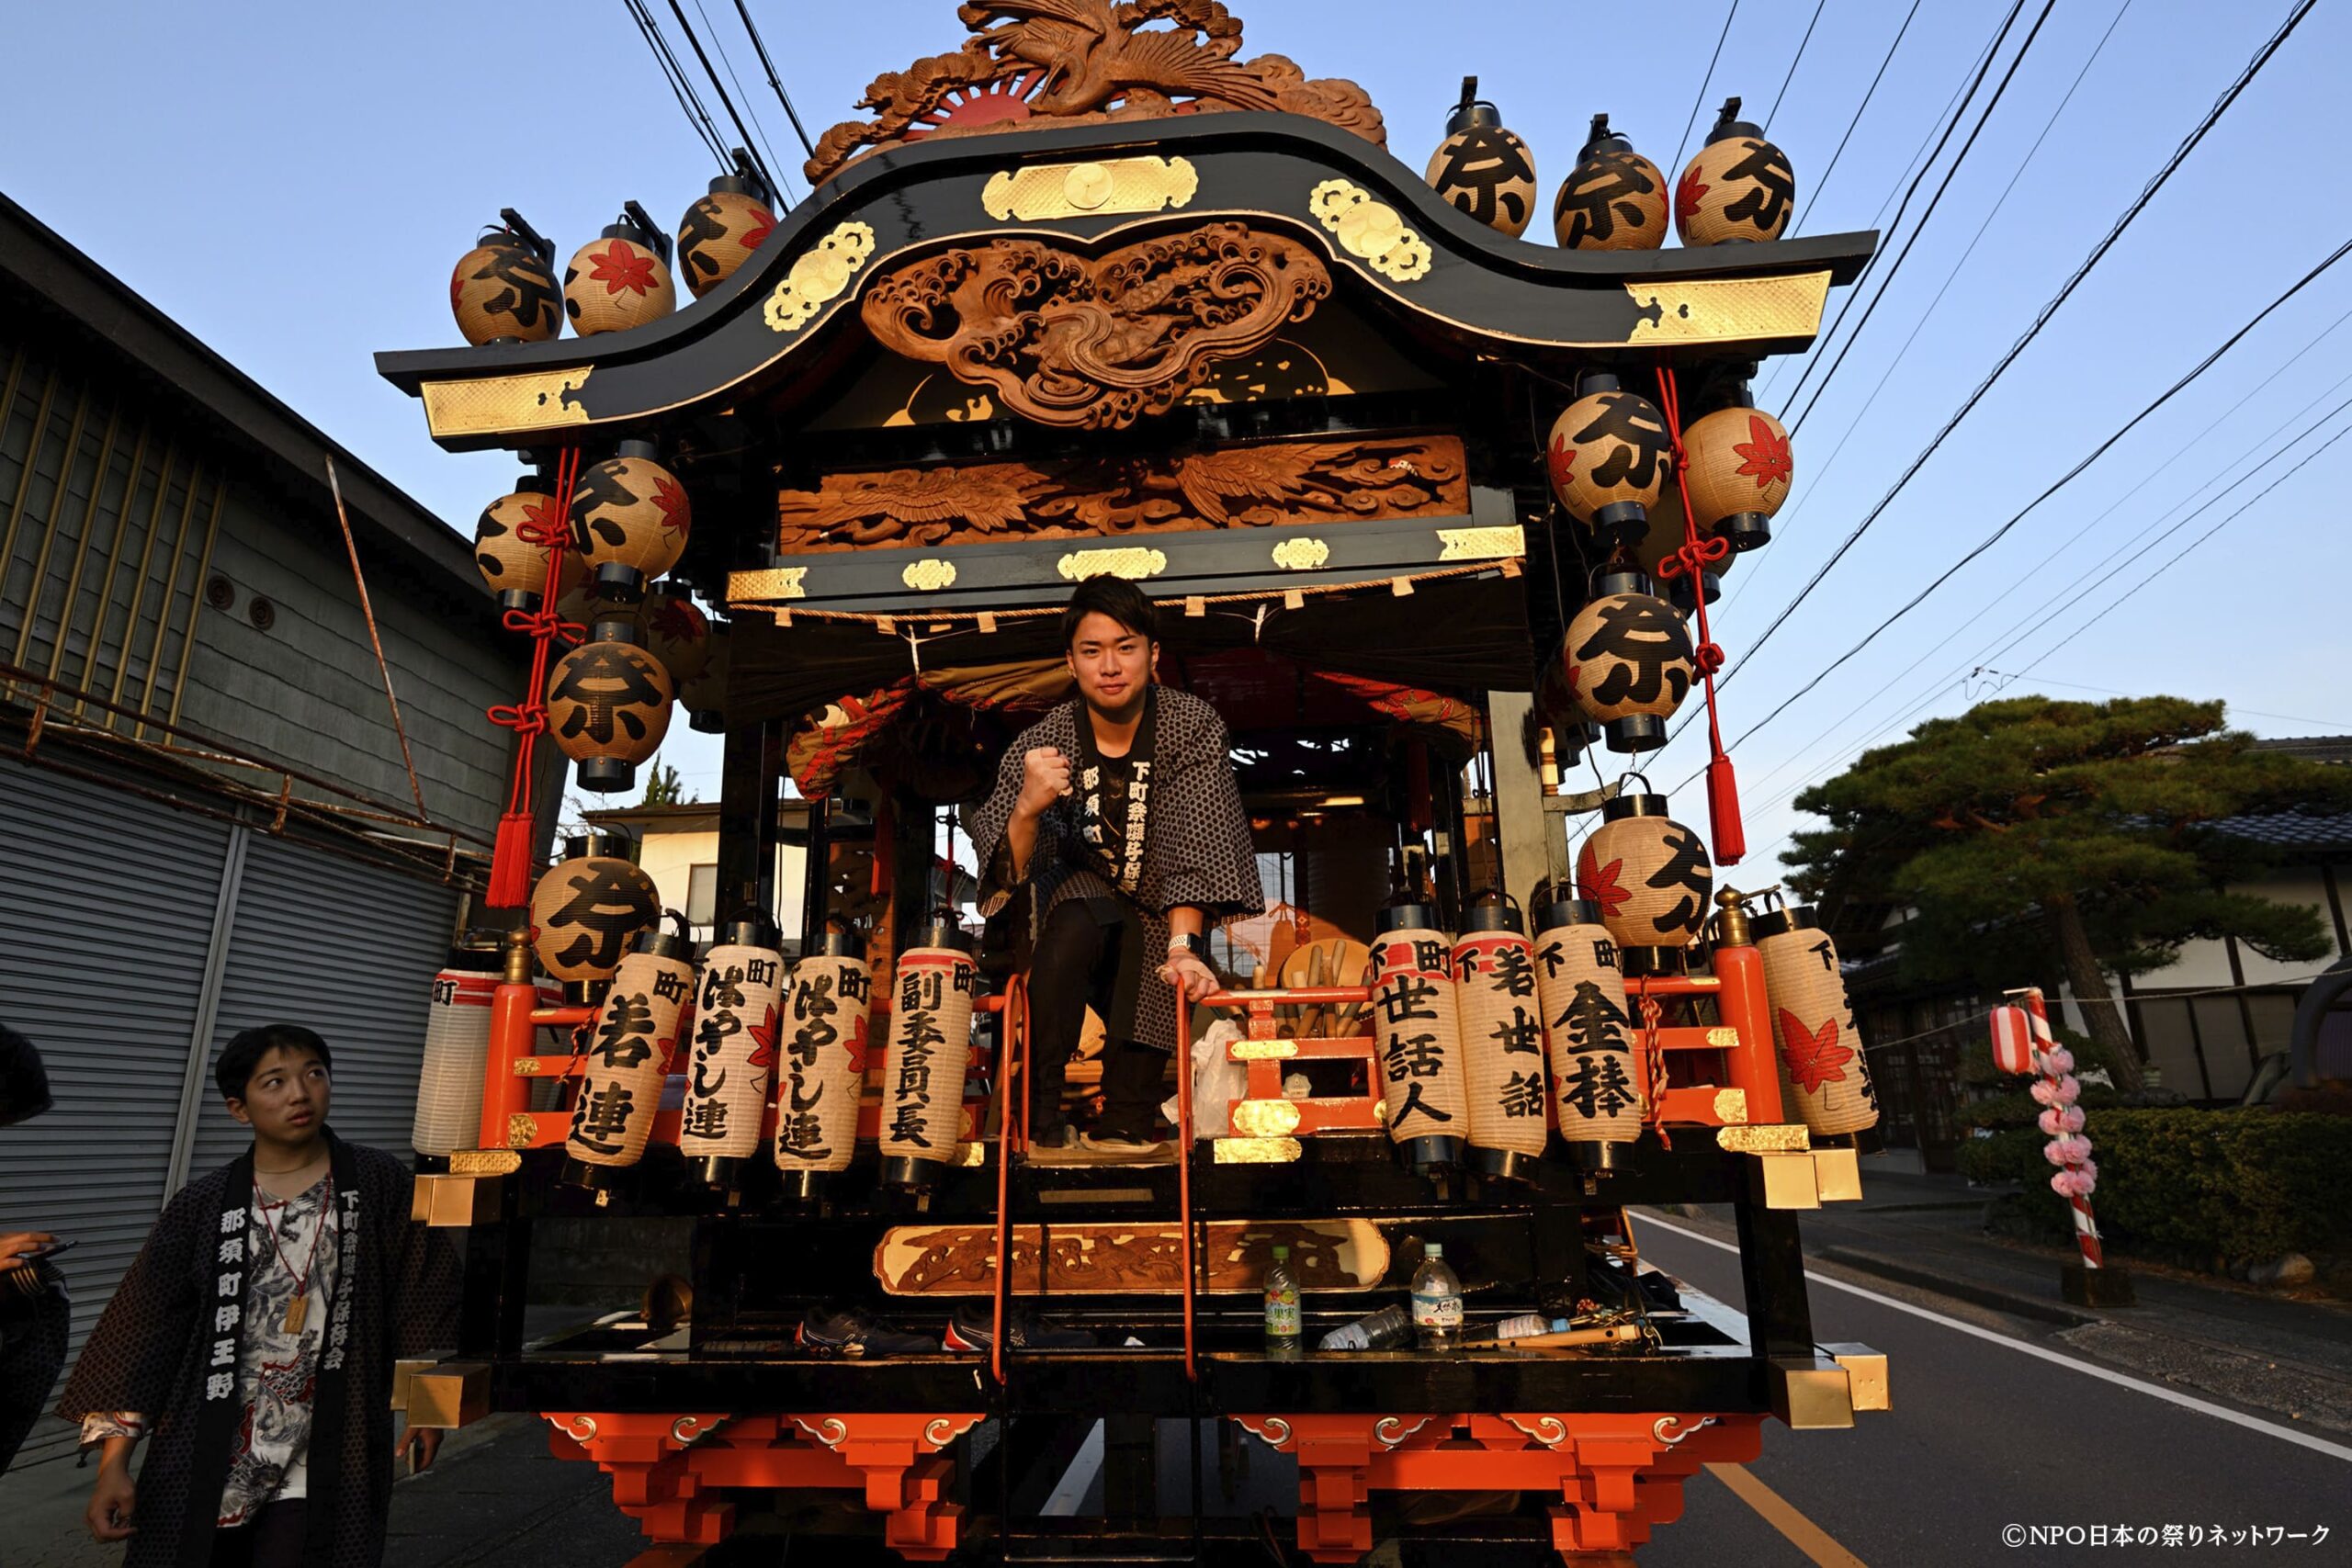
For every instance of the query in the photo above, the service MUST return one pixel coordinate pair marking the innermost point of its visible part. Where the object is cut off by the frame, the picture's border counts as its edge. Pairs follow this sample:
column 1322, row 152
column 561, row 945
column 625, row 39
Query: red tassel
column 1723, row 812
column 510, row 863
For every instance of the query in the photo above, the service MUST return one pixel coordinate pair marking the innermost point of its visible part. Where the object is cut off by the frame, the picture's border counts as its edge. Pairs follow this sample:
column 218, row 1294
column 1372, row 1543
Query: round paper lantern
column 515, row 569
column 1614, row 199
column 589, row 907
column 930, row 1046
column 1664, row 534
column 620, row 279
column 457, row 1047
column 1737, row 464
column 1417, row 1033
column 1825, row 1072
column 821, row 1074
column 1630, row 661
column 705, row 696
column 1502, row 1020
column 1608, row 456
column 677, row 633
column 1736, row 187
column 720, row 231
column 628, row 1049
column 631, row 518
column 1482, row 169
column 1650, row 874
column 504, row 289
column 1596, row 1081
column 608, row 706
column 733, row 1056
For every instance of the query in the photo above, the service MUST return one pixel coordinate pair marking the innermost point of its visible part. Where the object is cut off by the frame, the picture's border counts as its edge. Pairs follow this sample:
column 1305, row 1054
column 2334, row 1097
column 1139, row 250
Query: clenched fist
column 1045, row 778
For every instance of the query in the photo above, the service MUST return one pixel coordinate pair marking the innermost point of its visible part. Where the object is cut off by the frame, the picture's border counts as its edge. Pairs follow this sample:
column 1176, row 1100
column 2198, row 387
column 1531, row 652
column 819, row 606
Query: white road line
column 1084, row 1466
column 2157, row 1391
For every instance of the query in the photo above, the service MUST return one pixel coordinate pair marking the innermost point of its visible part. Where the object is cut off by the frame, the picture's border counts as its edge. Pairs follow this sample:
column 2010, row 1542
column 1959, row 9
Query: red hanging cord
column 510, row 860
column 1693, row 557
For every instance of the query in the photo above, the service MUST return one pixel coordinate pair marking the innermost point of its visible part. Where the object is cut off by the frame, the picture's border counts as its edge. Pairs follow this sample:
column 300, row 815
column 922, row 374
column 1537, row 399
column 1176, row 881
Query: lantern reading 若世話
column 1501, row 1020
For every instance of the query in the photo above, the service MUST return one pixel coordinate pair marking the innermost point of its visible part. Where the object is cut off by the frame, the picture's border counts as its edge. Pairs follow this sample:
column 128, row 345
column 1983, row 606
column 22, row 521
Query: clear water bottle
column 1390, row 1329
column 1282, row 1302
column 1437, row 1300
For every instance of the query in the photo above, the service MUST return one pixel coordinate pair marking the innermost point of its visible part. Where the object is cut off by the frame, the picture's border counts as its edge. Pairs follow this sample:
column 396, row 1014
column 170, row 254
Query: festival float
column 1432, row 513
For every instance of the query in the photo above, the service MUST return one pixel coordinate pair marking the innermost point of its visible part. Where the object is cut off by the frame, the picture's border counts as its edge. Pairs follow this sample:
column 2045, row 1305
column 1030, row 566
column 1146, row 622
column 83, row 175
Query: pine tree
column 663, row 787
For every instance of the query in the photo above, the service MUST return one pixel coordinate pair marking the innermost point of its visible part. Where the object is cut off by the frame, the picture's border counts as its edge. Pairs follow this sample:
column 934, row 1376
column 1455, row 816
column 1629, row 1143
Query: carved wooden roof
column 1085, row 61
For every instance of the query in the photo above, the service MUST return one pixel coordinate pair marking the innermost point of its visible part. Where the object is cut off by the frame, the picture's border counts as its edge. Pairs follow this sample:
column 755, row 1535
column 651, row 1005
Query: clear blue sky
column 293, row 182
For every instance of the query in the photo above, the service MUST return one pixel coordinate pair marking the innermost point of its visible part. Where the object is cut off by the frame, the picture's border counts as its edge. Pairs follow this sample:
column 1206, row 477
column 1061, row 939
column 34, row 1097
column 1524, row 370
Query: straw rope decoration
column 733, row 1061
column 1597, row 1084
column 1419, row 1035
column 1823, row 1072
column 1503, row 1041
column 821, row 1074
column 628, row 1049
column 931, row 1047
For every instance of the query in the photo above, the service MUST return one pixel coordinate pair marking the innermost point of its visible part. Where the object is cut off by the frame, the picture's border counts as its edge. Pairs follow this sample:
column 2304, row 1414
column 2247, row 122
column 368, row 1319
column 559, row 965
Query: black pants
column 32, row 1348
column 1078, row 961
column 271, row 1539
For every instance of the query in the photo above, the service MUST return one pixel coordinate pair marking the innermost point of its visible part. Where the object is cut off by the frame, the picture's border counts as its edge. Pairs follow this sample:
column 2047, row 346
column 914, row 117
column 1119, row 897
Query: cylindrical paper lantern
column 720, row 231
column 1596, row 1081
column 1737, row 463
column 705, row 696
column 821, row 1074
column 608, row 706
column 1630, row 661
column 1614, row 199
column 456, row 1044
column 504, row 289
column 677, row 633
column 628, row 1051
column 1419, row 1034
column 590, row 907
column 630, row 521
column 1737, row 188
column 734, row 1060
column 517, row 569
column 1608, row 458
column 620, row 279
column 1823, row 1071
column 1501, row 1019
column 1482, row 169
column 930, row 1044
column 1650, row 874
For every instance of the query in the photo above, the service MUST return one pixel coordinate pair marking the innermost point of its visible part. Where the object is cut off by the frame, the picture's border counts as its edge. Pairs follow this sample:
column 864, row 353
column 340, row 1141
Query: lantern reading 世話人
column 1738, row 186
column 1823, row 1072
column 1614, row 199
column 511, row 560
column 720, row 231
column 1649, row 874
column 627, row 1052
column 731, row 1055
column 1502, row 1020
column 608, row 706
column 1737, row 463
column 589, row 907
column 821, row 1072
column 1630, row 661
column 1417, row 1035
column 1608, row 458
column 621, row 278
column 504, row 289
column 1589, row 1022
column 930, row 1045
column 1481, row 168
column 630, row 519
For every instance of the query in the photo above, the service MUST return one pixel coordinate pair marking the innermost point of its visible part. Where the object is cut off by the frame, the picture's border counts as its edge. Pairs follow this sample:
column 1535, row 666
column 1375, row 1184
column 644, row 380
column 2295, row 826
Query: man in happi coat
column 1119, row 812
column 251, row 1343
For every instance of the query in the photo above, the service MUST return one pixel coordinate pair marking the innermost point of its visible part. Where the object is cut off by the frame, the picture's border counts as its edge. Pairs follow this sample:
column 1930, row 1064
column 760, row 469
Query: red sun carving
column 1766, row 453
column 622, row 269
column 1813, row 1059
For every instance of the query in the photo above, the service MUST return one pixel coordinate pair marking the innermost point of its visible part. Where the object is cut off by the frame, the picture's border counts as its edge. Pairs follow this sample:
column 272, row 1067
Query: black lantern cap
column 1601, row 138
column 1779, row 922
column 841, row 941
column 614, row 630
column 1472, row 110
column 600, row 842
column 675, row 945
column 745, row 180
column 635, row 225
column 643, row 450
column 940, row 929
column 1591, row 382
column 1636, row 732
column 1431, row 1154
column 1410, row 915
column 534, row 484
column 750, row 929
column 1729, row 124
column 1568, row 912
column 1626, row 805
column 1679, row 594
column 1637, row 962
column 530, row 238
column 1493, row 910
column 1622, row 582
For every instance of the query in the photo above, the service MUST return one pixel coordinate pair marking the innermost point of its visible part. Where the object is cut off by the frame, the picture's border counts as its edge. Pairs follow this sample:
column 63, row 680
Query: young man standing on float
column 1119, row 811
column 251, row 1342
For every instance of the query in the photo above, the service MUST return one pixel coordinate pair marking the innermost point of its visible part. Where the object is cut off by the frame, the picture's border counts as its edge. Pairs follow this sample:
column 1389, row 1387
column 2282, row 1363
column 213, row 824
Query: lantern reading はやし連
column 630, row 519
column 1630, row 661
column 608, row 706
column 732, row 1056
column 1614, row 199
column 828, row 1014
column 1738, row 186
column 1608, row 459
column 1482, row 169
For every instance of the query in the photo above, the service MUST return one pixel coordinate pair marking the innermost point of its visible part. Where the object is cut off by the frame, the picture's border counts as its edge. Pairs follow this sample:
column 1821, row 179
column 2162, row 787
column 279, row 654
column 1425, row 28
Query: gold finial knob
column 1731, row 925
column 518, row 955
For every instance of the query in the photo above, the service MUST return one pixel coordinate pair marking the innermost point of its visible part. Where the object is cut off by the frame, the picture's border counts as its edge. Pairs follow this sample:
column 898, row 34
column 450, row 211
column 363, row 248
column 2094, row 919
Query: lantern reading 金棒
column 1736, row 187
column 608, row 706
column 1589, row 1022
column 1614, row 199
column 1650, row 874
column 1482, row 168
column 1630, row 661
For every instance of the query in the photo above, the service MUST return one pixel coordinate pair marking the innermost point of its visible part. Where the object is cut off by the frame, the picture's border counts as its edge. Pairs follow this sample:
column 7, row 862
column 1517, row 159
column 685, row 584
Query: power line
column 688, row 101
column 1868, row 94
column 767, row 152
column 780, row 95
column 728, row 104
column 1703, row 81
column 1790, row 76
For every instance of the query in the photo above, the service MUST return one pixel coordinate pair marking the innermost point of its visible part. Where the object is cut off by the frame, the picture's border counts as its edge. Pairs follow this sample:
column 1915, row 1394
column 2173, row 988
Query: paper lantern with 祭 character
column 730, row 1058
column 504, row 289
column 589, row 907
column 1737, row 463
column 621, row 278
column 608, row 706
column 1614, row 199
column 630, row 519
column 628, row 1046
column 1650, row 874
column 510, row 560
column 1502, row 1020
column 721, row 230
column 1588, row 1023
column 677, row 633
column 820, row 1075
column 1630, row 661
column 1416, row 1034
column 1482, row 168
column 1736, row 187
column 1825, row 1072
column 931, row 1047
column 1608, row 456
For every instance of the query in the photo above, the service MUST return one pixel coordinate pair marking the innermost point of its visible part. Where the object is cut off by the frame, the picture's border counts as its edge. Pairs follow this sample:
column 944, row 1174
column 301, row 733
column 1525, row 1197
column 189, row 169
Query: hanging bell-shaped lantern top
column 721, row 230
column 504, row 289
column 1736, row 187
column 621, row 278
column 1614, row 199
column 1482, row 168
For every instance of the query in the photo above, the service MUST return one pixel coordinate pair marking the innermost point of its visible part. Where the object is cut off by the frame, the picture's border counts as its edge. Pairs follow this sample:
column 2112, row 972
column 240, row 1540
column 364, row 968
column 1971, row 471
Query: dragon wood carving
column 1234, row 487
column 1085, row 61
column 1096, row 343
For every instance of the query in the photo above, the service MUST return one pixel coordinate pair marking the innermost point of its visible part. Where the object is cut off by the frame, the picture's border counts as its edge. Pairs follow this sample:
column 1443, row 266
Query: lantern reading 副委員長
column 930, row 1045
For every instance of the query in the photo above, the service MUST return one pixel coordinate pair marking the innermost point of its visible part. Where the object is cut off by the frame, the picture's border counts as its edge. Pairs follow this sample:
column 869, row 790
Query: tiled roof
column 2333, row 748
column 2293, row 830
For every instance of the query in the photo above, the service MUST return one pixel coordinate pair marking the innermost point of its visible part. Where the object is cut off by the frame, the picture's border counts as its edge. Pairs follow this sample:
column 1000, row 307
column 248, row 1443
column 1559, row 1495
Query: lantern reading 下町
column 588, row 907
column 1589, row 1022
column 820, row 1075
column 733, row 1047
column 1501, row 1020
column 628, row 1054
column 504, row 289
column 1736, row 187
column 1608, row 456
column 1630, row 661
column 1416, row 1034
column 1824, row 1074
column 514, row 566
column 1737, row 462
column 608, row 706
column 1614, row 199
column 1482, row 169
column 621, row 278
column 1649, row 874
column 721, row 230
column 630, row 519
column 930, row 1046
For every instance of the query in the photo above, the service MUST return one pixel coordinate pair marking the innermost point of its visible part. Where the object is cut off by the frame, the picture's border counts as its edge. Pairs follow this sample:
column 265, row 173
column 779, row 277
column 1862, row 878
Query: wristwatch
column 1189, row 942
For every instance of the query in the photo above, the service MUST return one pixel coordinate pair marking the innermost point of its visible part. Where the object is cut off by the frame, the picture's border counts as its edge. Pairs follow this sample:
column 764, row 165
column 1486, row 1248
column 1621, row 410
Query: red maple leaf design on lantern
column 670, row 497
column 1687, row 194
column 764, row 224
column 623, row 268
column 1765, row 452
column 676, row 619
column 763, row 1056
column 1813, row 1058
column 1559, row 461
column 542, row 519
column 1598, row 883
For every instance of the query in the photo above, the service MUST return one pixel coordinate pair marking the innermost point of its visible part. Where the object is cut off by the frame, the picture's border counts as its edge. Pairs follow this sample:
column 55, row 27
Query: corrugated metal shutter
column 346, row 950
column 106, row 908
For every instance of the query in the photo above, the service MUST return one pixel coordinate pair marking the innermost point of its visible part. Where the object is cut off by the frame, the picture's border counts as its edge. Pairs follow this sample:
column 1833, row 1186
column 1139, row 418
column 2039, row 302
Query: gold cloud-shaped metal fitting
column 819, row 276
column 1135, row 562
column 1370, row 230
column 1084, row 190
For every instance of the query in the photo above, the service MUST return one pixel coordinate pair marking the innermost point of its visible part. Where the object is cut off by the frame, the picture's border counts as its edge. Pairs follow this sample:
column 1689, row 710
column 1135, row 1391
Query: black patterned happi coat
column 1196, row 840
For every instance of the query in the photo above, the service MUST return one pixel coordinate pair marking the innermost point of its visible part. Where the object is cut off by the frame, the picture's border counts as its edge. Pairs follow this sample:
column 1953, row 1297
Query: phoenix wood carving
column 1096, row 343
column 1085, row 61
column 1234, row 487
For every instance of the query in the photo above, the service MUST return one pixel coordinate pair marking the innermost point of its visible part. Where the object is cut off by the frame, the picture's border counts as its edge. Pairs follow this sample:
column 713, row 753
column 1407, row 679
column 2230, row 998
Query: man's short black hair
column 242, row 1054
column 1114, row 597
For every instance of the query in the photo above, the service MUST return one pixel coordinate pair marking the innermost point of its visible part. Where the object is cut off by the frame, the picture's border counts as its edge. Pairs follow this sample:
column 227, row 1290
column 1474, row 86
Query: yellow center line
column 1781, row 1515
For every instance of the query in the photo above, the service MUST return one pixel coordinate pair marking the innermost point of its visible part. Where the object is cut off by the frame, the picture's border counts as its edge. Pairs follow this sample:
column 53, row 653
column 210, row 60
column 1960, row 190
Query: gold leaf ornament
column 819, row 276
column 1370, row 230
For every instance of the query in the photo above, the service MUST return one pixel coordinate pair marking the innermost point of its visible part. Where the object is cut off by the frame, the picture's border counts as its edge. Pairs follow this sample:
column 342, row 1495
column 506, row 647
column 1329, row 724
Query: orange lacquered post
column 1739, row 973
column 503, row 1094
